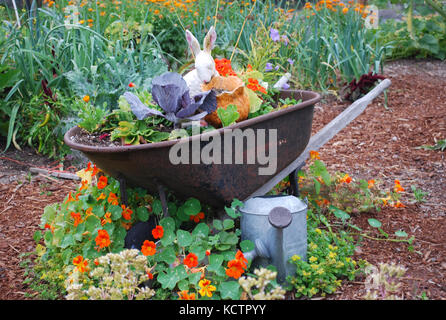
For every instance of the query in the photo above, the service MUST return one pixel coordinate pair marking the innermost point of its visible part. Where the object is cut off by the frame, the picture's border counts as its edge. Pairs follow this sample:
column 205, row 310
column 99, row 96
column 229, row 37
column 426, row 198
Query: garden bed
column 379, row 144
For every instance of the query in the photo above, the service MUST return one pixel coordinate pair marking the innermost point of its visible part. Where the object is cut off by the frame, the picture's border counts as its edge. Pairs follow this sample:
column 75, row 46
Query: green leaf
column 66, row 256
column 254, row 101
column 37, row 236
column 116, row 212
column 91, row 223
column 230, row 290
column 228, row 238
column 401, row 233
column 168, row 223
column 184, row 238
column 217, row 224
column 247, row 245
column 339, row 213
column 172, row 277
column 229, row 115
column 67, row 241
column 215, row 260
column 374, row 223
column 194, row 278
column 168, row 237
column 167, row 255
column 201, row 230
column 192, row 207
column 157, row 207
column 232, row 213
column 142, row 213
column 228, row 224
column 317, row 186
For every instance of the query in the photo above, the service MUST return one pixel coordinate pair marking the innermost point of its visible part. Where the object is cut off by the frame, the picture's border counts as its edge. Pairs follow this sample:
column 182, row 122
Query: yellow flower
column 306, row 274
column 206, row 288
column 340, row 264
column 318, row 231
column 332, row 255
column 320, row 271
column 312, row 259
column 314, row 266
column 312, row 291
column 295, row 257
column 312, row 246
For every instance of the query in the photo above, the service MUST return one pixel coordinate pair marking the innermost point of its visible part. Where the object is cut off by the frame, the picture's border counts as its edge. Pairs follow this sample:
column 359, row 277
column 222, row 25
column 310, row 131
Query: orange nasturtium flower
column 84, row 185
column 398, row 187
column 199, row 216
column 77, row 218
column 206, row 288
column 240, row 257
column 70, row 198
column 102, row 183
column 131, row 85
column 158, row 232
column 314, row 155
column 86, row 98
column 398, row 204
column 184, row 295
column 101, row 197
column 106, row 219
column 371, row 184
column 126, row 212
column 148, row 248
column 80, row 263
column 191, row 260
column 235, row 269
column 254, row 85
column 103, row 239
column 113, row 199
column 346, row 178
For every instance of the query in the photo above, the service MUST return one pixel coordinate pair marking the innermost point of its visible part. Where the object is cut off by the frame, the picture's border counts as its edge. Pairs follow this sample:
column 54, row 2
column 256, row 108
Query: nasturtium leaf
column 184, row 238
column 48, row 237
column 99, row 211
column 222, row 247
column 401, row 233
column 91, row 223
column 66, row 256
column 192, row 207
column 67, row 241
column 247, row 245
column 215, row 260
column 230, row 290
column 167, row 255
column 193, row 278
column 232, row 212
column 254, row 101
column 236, row 203
column 168, row 223
column 229, row 115
column 198, row 250
column 116, row 212
column 142, row 213
column 317, row 186
column 228, row 238
column 182, row 216
column 109, row 227
column 37, row 236
column 157, row 207
column 339, row 213
column 217, row 224
column 120, row 233
column 168, row 237
column 374, row 223
column 172, row 208
column 184, row 284
column 228, row 224
column 201, row 230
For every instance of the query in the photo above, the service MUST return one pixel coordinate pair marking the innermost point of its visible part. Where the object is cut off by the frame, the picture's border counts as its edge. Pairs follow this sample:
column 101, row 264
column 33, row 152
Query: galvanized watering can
column 278, row 227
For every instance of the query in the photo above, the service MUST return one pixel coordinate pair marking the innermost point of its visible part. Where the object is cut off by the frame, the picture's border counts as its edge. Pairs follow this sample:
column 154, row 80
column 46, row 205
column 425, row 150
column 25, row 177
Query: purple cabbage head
column 171, row 93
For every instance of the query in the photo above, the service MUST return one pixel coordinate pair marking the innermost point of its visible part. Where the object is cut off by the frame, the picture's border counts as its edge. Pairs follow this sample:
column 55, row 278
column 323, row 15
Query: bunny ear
column 209, row 40
column 194, row 45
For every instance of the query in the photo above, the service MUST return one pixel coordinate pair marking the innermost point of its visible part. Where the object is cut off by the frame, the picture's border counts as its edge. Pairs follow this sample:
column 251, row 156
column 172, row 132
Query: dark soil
column 381, row 144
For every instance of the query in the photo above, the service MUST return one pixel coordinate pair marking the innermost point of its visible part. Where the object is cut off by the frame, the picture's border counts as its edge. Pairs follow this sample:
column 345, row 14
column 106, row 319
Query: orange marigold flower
column 148, row 248
column 103, row 239
column 126, row 212
column 102, row 183
column 191, row 260
column 235, row 269
column 314, row 155
column 158, row 232
column 184, row 295
column 344, row 10
column 199, row 216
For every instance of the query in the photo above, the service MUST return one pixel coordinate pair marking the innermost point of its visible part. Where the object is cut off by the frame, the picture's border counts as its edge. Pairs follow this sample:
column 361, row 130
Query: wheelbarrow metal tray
column 148, row 165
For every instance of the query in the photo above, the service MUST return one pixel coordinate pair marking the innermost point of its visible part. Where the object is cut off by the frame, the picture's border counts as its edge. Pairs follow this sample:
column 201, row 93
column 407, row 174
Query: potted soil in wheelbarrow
column 221, row 144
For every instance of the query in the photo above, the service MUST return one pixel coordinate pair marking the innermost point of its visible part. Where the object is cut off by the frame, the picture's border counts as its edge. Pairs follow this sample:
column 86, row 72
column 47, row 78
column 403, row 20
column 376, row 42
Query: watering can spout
column 280, row 218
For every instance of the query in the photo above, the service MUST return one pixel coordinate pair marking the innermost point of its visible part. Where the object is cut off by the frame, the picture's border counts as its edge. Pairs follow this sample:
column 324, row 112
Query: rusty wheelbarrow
column 218, row 183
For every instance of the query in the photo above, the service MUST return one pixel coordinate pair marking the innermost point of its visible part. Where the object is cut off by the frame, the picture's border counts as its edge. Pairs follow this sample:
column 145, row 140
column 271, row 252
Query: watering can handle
column 280, row 217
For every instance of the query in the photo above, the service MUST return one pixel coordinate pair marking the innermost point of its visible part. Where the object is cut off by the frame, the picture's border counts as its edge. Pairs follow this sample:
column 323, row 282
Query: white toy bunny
column 204, row 63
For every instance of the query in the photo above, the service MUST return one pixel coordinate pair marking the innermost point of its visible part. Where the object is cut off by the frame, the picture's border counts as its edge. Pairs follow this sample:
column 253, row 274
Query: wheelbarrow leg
column 294, row 186
column 123, row 189
column 163, row 199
